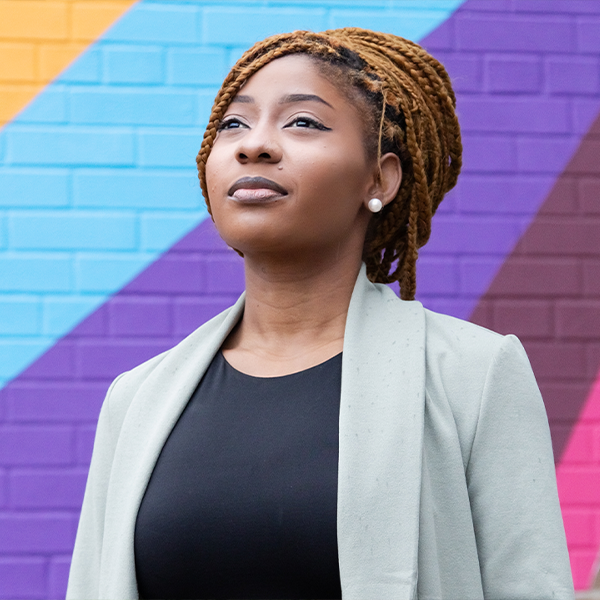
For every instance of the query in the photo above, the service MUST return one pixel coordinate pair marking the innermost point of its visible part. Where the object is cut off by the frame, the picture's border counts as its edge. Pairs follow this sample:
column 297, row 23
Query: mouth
column 256, row 189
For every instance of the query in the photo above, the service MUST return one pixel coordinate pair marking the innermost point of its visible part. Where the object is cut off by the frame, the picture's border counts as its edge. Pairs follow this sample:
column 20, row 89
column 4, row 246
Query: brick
column 500, row 194
column 525, row 318
column 35, row 445
column 106, row 359
column 205, row 99
column 55, row 57
column 588, row 34
column 190, row 313
column 563, row 399
column 491, row 5
column 514, row 74
column 69, row 146
column 35, row 274
column 133, row 64
column 560, row 436
column 70, row 230
column 170, row 148
column 589, row 195
column 32, row 19
column 585, row 160
column 89, row 19
column 203, row 238
column 17, row 62
column 162, row 23
column 514, row 33
column 488, row 153
column 36, row 533
column 556, row 360
column 466, row 71
column 60, row 314
column 411, row 22
column 159, row 231
column 562, row 199
column 95, row 324
column 579, row 526
column 580, row 485
column 49, row 107
column 573, row 75
column 545, row 155
column 473, row 235
column 84, row 443
column 196, row 66
column 578, row 319
column 132, row 106
column 437, row 275
column 476, row 274
column 58, row 576
column 441, row 38
column 562, row 236
column 591, row 278
column 22, row 577
column 575, row 7
column 237, row 25
column 585, row 111
column 47, row 489
column 140, row 316
column 225, row 275
column 70, row 402
column 519, row 115
column 58, row 363
column 580, row 449
column 17, row 352
column 87, row 68
column 19, row 315
column 3, row 488
column 170, row 274
column 539, row 277
column 107, row 273
column 593, row 361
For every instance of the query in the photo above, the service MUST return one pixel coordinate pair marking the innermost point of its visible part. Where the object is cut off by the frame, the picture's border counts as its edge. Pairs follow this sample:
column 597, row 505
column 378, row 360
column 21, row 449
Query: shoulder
column 454, row 346
column 468, row 366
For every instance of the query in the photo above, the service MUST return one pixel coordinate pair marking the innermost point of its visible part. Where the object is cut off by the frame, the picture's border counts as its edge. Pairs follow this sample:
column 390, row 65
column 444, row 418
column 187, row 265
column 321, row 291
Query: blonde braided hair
column 411, row 112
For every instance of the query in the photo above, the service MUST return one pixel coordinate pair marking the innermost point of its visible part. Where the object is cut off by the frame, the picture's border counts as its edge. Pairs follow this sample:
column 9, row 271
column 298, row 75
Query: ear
column 388, row 179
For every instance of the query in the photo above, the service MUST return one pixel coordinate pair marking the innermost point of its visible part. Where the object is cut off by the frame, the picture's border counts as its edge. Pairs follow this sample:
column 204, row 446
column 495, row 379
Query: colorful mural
column 107, row 257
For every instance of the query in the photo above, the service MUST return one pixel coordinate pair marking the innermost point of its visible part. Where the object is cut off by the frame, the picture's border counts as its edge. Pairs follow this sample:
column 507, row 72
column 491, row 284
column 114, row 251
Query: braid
column 411, row 112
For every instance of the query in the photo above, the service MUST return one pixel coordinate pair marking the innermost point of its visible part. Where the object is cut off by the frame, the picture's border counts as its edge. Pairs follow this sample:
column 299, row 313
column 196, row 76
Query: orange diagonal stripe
column 40, row 38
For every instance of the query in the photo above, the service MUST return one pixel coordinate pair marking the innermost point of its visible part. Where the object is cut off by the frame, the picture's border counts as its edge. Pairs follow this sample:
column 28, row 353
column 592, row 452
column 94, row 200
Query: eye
column 307, row 123
column 230, row 123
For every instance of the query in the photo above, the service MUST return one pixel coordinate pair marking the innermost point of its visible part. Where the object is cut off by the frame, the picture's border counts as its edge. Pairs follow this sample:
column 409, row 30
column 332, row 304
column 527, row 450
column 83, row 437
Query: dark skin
column 301, row 228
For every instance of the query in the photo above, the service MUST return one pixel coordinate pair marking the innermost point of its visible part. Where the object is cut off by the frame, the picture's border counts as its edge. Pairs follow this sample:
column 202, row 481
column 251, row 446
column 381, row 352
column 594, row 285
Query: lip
column 261, row 185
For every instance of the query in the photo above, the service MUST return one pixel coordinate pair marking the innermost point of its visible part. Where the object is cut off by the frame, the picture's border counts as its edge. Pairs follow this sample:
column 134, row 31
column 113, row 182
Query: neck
column 295, row 312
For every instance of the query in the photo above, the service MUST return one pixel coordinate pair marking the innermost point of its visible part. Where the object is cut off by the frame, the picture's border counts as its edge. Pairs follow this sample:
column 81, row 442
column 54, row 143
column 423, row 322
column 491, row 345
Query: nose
column 258, row 145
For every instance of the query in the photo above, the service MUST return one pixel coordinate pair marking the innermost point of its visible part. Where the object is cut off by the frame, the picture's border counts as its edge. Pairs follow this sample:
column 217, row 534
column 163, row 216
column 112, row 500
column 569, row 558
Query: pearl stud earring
column 375, row 205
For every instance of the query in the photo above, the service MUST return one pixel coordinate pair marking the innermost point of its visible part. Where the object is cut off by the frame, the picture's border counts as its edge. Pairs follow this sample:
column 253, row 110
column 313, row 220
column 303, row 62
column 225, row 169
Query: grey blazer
column 446, row 485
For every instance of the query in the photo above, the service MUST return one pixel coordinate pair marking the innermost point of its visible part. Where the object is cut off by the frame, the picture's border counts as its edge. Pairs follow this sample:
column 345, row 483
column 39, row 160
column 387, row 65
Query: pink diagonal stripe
column 578, row 475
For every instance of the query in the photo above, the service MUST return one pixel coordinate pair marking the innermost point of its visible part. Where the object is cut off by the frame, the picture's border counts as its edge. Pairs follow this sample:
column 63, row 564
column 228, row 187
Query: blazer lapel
column 153, row 412
column 381, row 441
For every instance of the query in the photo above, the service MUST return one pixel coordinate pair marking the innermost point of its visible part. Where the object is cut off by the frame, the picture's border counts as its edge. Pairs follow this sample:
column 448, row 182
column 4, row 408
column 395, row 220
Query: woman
column 323, row 438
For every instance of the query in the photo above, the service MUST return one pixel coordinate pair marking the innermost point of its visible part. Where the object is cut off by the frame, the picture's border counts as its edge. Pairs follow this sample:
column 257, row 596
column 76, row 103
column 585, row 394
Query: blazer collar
column 381, row 442
column 381, row 439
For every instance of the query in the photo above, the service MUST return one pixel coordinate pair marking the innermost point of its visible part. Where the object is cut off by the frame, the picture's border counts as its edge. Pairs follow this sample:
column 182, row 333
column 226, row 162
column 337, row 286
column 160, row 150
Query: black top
column 242, row 500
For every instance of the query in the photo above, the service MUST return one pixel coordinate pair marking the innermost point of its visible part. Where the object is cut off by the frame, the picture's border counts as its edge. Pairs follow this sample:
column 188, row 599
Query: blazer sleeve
column 512, row 486
column 84, row 575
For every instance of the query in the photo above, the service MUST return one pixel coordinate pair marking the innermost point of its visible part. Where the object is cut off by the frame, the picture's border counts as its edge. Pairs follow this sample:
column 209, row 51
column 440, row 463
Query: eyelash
column 312, row 122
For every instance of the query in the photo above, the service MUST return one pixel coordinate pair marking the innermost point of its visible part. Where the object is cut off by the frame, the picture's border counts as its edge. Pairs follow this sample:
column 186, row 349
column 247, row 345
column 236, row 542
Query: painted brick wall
column 106, row 259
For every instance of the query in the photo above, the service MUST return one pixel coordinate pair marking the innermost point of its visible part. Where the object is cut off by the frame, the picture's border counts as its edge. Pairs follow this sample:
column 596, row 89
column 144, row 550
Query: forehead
column 296, row 74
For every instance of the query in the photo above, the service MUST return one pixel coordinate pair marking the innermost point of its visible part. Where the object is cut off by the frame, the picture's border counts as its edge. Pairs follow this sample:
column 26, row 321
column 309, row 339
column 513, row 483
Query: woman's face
column 288, row 171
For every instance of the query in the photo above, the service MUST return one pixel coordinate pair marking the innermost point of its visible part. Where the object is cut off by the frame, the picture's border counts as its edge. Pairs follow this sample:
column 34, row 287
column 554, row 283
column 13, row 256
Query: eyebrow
column 285, row 100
